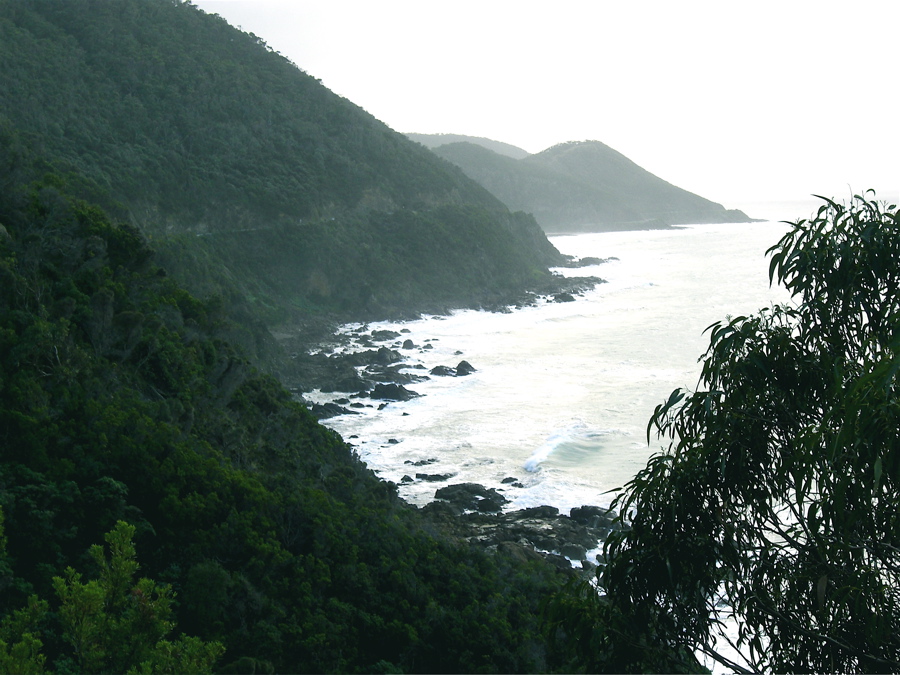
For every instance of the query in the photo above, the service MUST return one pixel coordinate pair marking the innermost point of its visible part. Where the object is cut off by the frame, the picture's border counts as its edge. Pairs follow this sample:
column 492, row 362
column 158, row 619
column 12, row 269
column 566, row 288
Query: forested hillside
column 121, row 401
column 584, row 187
column 169, row 188
column 225, row 152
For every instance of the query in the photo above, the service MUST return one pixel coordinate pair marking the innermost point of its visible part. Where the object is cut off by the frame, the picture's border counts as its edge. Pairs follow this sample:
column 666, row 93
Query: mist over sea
column 563, row 391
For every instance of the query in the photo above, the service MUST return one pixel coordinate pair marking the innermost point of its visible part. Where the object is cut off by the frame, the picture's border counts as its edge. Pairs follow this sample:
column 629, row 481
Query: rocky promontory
column 473, row 512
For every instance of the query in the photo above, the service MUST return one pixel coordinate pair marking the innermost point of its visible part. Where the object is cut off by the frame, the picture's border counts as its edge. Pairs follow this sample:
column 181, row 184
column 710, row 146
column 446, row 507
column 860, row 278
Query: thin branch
column 724, row 660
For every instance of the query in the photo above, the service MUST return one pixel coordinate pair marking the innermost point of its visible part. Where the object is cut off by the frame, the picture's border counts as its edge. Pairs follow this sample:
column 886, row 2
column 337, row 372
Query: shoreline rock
column 471, row 496
column 392, row 392
column 472, row 512
column 354, row 362
column 302, row 371
column 462, row 369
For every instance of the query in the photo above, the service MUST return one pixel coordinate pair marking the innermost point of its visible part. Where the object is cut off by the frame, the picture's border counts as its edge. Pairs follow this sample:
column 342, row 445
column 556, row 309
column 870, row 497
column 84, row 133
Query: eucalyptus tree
column 774, row 506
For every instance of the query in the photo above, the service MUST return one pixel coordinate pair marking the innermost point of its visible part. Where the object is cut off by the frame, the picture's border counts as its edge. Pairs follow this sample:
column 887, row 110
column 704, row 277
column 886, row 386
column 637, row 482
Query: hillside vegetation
column 226, row 153
column 169, row 187
column 584, row 187
column 121, row 400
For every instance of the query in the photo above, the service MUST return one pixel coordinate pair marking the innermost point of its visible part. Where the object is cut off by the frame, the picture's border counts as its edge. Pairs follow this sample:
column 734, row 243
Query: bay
column 557, row 410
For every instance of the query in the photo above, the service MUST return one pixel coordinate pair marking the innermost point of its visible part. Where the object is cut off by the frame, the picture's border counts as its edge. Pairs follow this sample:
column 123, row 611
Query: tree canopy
column 121, row 400
column 774, row 506
column 145, row 145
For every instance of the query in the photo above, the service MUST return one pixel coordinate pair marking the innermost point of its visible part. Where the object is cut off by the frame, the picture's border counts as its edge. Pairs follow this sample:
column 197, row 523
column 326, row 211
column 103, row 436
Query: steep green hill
column 227, row 154
column 145, row 146
column 122, row 399
column 586, row 186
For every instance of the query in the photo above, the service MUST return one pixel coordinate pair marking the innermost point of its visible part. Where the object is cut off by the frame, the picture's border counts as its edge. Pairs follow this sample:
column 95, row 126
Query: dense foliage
column 120, row 401
column 373, row 265
column 149, row 150
column 587, row 186
column 196, row 128
column 776, row 503
column 182, row 116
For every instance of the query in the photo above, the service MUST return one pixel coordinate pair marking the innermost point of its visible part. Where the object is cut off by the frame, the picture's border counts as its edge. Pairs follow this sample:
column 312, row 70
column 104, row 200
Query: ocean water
column 563, row 392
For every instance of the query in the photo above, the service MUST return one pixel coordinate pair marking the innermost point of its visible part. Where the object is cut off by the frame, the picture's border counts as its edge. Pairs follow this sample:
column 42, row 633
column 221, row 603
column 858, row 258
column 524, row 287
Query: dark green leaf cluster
column 121, row 401
column 117, row 623
column 776, row 500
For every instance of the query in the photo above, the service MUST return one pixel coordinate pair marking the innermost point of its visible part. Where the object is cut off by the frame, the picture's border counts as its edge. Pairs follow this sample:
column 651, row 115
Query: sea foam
column 562, row 392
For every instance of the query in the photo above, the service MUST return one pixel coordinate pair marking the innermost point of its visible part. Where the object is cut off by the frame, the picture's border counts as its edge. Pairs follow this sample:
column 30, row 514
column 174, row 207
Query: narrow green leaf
column 877, row 470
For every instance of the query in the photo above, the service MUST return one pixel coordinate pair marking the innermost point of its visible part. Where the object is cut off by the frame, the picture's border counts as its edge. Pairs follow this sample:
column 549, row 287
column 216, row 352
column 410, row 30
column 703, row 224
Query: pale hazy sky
column 740, row 102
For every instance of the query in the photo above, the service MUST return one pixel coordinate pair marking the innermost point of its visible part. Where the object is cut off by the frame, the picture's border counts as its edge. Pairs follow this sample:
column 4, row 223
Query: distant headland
column 577, row 186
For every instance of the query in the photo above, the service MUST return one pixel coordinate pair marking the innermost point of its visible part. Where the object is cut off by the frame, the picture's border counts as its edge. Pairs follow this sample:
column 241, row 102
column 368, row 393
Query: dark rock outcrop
column 434, row 477
column 542, row 529
column 421, row 462
column 325, row 410
column 376, row 373
column 382, row 357
column 472, row 497
column 384, row 335
column 594, row 516
column 464, row 368
column 392, row 392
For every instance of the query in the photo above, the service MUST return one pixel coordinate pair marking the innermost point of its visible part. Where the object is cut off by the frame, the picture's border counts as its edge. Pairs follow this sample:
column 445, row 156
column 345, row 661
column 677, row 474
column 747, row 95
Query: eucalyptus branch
column 818, row 636
column 786, row 429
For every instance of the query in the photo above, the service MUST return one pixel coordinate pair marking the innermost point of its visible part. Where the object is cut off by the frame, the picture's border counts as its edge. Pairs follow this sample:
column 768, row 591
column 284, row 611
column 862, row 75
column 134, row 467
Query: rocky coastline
column 363, row 368
column 473, row 512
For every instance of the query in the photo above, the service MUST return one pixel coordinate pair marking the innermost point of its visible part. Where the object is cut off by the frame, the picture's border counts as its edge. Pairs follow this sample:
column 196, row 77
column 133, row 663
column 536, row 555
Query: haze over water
column 563, row 391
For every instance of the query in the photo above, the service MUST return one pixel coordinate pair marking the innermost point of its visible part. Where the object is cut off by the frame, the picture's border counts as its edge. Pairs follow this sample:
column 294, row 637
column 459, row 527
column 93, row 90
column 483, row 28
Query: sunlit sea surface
column 563, row 392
